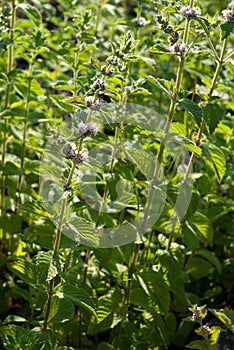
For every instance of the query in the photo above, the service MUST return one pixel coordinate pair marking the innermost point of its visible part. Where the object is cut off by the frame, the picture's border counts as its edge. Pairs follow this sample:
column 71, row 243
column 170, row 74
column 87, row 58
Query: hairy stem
column 56, row 248
column 171, row 112
column 213, row 85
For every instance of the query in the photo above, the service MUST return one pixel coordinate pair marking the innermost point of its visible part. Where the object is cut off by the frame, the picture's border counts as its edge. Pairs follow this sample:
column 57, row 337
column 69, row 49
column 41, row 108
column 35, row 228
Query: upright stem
column 171, row 112
column 56, row 248
column 7, row 99
column 221, row 61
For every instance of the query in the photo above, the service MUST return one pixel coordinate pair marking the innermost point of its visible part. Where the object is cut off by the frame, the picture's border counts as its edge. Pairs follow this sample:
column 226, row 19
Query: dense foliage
column 116, row 174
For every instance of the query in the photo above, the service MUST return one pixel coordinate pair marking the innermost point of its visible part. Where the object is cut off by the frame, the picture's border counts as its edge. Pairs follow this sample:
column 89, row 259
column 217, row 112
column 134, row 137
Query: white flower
column 178, row 48
column 188, row 11
column 141, row 21
column 82, row 127
column 89, row 100
column 92, row 128
column 229, row 15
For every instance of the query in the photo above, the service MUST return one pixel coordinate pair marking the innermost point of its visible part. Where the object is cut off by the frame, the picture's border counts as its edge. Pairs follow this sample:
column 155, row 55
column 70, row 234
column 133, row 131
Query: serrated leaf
column 199, row 267
column 185, row 142
column 198, row 345
column 61, row 309
column 204, row 23
column 227, row 29
column 153, row 293
column 200, row 227
column 47, row 267
column 163, row 84
column 160, row 49
column 192, row 108
column 61, row 104
column 25, row 270
column 35, row 207
column 213, row 113
column 79, row 297
column 31, row 12
column 218, row 160
column 144, row 161
column 80, row 231
column 225, row 316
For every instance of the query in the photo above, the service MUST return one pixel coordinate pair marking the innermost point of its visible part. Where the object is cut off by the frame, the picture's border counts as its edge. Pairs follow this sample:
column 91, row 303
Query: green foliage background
column 135, row 296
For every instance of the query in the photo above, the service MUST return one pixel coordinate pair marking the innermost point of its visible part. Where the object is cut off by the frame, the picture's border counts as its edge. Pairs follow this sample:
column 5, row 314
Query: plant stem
column 7, row 100
column 171, row 112
column 221, row 61
column 56, row 247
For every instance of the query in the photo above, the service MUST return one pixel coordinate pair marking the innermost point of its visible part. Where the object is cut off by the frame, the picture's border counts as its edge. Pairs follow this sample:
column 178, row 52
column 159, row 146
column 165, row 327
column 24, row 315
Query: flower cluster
column 199, row 312
column 99, row 84
column 70, row 152
column 188, row 11
column 229, row 15
column 107, row 70
column 85, row 128
column 173, row 38
column 141, row 21
column 178, row 48
column 95, row 105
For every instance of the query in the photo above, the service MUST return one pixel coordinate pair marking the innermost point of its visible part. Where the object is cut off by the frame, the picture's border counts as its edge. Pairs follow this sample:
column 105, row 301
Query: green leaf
column 12, row 169
column 47, row 267
column 105, row 346
column 35, row 207
column 213, row 113
column 31, row 12
column 225, row 316
column 199, row 268
column 61, row 309
column 163, row 84
column 79, row 297
column 192, row 108
column 198, row 345
column 153, row 294
column 183, row 141
column 217, row 159
column 25, row 270
column 14, row 318
column 10, row 223
column 227, row 29
column 80, row 231
column 13, row 336
column 109, row 312
column 208, row 255
column 160, row 48
column 144, row 161
column 61, row 104
column 200, row 227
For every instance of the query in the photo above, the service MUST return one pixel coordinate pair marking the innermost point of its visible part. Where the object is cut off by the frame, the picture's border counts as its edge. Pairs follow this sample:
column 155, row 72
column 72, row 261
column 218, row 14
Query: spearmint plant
column 116, row 175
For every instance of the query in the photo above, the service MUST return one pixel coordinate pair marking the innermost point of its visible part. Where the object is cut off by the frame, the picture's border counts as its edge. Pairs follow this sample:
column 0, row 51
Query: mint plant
column 116, row 174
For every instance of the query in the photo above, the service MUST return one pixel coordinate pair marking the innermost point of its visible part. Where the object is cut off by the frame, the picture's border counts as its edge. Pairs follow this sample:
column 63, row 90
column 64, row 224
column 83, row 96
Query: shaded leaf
column 192, row 108
column 31, row 12
column 217, row 159
column 79, row 297
column 213, row 113
column 200, row 227
column 227, row 29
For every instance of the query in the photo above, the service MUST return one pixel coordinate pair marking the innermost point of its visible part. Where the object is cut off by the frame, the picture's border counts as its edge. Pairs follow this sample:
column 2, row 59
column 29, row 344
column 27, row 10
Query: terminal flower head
column 188, row 11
